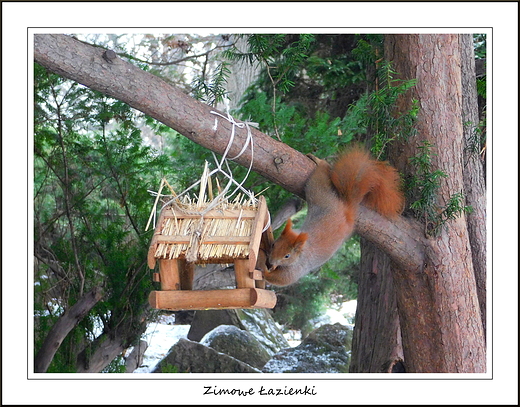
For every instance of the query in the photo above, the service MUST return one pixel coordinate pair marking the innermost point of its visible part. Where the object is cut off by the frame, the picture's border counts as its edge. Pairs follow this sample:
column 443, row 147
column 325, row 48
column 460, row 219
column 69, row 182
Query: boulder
column 325, row 350
column 192, row 357
column 240, row 344
column 262, row 325
column 258, row 322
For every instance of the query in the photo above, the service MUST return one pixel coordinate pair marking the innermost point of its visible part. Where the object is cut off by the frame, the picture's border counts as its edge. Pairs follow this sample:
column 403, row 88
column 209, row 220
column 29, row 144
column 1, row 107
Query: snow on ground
column 162, row 334
column 345, row 315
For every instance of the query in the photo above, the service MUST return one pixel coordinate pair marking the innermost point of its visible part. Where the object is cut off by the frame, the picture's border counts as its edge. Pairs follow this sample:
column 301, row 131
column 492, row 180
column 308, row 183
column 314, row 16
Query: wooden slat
column 212, row 299
column 214, row 214
column 260, row 283
column 242, row 276
column 256, row 233
column 151, row 256
column 256, row 275
column 207, row 240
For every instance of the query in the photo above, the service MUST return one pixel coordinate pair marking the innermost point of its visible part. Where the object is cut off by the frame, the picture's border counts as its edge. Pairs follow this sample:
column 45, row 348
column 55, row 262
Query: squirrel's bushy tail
column 361, row 179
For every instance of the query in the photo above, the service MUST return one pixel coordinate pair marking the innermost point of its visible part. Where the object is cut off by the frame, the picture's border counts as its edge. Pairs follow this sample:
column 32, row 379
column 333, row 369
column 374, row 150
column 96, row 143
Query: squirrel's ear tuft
column 288, row 234
column 288, row 227
column 301, row 239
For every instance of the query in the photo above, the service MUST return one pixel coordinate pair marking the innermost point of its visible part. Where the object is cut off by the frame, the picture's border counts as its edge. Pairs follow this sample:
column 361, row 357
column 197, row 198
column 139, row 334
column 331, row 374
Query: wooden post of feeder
column 175, row 274
column 242, row 274
column 169, row 275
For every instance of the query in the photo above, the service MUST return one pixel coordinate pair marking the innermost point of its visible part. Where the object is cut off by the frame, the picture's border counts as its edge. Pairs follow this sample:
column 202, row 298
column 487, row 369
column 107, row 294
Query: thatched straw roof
column 222, row 233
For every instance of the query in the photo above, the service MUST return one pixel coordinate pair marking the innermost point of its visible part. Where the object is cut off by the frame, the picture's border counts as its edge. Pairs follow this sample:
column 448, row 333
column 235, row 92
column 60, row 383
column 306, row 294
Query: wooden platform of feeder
column 178, row 300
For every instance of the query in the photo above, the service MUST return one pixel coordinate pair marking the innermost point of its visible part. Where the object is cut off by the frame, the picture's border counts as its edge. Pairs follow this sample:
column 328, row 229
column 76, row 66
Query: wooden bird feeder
column 229, row 233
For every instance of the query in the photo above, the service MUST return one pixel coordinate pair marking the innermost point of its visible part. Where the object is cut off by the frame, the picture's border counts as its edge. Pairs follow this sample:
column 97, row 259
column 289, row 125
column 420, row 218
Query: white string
column 219, row 168
column 249, row 140
column 224, row 161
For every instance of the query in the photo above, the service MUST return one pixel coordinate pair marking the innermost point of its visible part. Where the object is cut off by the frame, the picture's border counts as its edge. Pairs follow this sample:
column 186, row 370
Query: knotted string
column 249, row 142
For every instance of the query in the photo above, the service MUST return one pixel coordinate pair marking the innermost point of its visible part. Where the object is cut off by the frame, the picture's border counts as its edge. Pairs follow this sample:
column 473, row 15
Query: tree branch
column 401, row 239
column 272, row 159
column 148, row 93
column 63, row 326
column 177, row 61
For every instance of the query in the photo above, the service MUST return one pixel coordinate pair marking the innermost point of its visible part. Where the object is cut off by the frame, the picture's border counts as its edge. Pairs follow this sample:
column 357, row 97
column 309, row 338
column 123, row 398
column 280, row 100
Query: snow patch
column 161, row 336
column 219, row 330
column 345, row 315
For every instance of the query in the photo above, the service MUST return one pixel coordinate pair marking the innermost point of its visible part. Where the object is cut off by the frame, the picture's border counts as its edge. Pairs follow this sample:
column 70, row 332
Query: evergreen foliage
column 212, row 91
column 91, row 205
column 373, row 114
column 422, row 189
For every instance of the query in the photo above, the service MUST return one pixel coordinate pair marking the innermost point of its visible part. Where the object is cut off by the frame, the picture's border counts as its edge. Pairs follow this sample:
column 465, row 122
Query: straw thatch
column 186, row 231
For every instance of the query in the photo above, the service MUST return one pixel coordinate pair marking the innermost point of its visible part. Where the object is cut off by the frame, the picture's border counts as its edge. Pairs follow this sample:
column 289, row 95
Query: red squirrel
column 333, row 195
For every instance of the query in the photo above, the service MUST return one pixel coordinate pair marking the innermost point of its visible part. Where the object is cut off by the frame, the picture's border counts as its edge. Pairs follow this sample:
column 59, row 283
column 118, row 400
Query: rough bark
column 111, row 343
column 437, row 302
column 474, row 179
column 243, row 74
column 376, row 344
column 106, row 351
column 135, row 359
column 63, row 326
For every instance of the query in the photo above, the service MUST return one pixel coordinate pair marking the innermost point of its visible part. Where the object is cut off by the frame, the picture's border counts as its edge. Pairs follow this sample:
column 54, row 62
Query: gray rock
column 262, row 325
column 192, row 357
column 257, row 321
column 325, row 350
column 240, row 344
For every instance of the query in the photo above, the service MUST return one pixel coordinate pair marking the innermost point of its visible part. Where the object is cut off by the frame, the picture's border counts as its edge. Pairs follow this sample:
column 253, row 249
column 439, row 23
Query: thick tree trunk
column 474, row 179
column 62, row 327
column 376, row 344
column 243, row 74
column 438, row 305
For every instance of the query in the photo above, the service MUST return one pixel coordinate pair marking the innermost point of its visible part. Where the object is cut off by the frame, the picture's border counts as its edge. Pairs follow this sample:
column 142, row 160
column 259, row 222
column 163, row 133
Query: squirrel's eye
column 287, row 256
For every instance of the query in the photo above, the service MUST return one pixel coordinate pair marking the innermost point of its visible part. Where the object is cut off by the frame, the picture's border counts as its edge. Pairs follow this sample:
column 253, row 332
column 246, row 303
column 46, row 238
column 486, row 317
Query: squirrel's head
column 286, row 249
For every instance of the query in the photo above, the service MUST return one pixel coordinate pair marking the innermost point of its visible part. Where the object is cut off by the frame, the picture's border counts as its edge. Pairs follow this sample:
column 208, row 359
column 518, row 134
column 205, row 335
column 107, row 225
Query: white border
column 421, row 17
